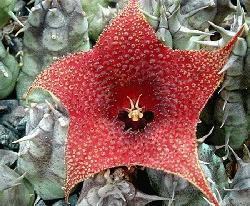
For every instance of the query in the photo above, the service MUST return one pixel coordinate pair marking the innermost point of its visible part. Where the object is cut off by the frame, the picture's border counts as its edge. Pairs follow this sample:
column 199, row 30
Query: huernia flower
column 134, row 101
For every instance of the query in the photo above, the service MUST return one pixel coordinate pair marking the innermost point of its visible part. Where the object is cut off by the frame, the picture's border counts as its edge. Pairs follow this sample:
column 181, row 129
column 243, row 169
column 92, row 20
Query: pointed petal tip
column 242, row 31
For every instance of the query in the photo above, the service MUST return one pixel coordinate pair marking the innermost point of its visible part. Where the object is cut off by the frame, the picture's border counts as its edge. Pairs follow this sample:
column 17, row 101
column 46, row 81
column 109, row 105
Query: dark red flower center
column 134, row 99
column 135, row 117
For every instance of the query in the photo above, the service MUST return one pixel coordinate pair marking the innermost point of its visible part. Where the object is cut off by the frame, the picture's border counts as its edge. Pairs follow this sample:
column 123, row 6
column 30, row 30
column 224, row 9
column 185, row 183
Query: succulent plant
column 6, row 6
column 54, row 28
column 183, row 37
column 246, row 3
column 181, row 191
column 72, row 201
column 42, row 150
column 7, row 136
column 102, row 78
column 6, row 12
column 230, row 116
column 239, row 191
column 99, row 14
column 174, row 21
column 7, row 157
column 197, row 14
column 105, row 189
column 224, row 8
column 11, row 127
column 9, row 70
column 14, row 189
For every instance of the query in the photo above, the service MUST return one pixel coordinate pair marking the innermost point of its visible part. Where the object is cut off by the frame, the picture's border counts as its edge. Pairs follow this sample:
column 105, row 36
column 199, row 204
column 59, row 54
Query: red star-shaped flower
column 134, row 101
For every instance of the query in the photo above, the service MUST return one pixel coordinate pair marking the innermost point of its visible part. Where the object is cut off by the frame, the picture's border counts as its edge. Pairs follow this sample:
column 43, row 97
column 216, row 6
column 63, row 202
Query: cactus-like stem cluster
column 11, row 124
column 14, row 189
column 230, row 116
column 42, row 150
column 9, row 70
column 6, row 12
column 239, row 190
column 54, row 28
column 106, row 189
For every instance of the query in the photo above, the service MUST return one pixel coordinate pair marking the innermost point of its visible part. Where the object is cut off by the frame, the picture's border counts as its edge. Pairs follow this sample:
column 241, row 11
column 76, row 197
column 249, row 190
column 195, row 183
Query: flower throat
column 135, row 118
